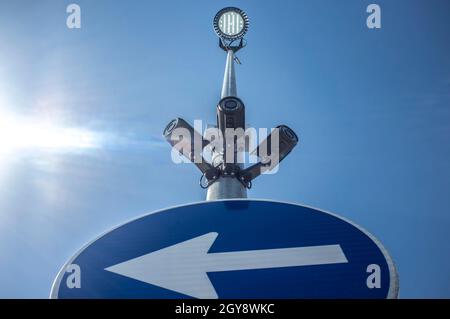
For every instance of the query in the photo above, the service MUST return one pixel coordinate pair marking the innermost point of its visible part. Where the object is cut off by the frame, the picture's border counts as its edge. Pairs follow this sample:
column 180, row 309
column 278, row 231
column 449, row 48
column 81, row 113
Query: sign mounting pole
column 226, row 187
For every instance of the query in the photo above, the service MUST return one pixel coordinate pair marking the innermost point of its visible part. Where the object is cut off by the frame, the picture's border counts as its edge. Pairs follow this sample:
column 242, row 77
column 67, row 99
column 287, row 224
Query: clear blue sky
column 372, row 108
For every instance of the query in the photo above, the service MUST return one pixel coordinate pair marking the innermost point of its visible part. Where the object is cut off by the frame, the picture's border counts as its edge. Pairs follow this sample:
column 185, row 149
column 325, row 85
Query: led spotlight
column 230, row 23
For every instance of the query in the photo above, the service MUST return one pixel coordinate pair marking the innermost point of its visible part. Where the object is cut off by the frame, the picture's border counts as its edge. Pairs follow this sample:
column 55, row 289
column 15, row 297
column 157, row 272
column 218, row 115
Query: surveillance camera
column 187, row 141
column 231, row 124
column 230, row 114
column 287, row 140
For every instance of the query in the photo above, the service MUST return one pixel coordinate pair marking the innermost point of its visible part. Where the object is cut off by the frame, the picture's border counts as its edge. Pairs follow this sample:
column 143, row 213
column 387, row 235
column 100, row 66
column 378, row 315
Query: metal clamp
column 229, row 46
column 209, row 177
column 229, row 170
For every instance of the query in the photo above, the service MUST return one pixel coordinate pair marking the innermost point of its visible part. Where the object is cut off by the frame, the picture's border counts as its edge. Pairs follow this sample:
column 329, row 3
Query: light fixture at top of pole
column 231, row 24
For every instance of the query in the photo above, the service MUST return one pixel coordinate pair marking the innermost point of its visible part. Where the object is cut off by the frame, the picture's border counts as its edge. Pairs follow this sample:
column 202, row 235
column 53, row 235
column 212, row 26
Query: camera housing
column 230, row 114
column 231, row 123
column 287, row 140
column 188, row 142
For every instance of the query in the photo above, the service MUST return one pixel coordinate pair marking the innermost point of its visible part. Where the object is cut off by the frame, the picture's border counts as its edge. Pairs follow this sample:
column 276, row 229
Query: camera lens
column 231, row 104
column 171, row 126
column 286, row 131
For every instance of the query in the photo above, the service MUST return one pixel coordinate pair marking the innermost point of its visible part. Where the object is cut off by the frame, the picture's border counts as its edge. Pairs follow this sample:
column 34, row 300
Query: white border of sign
column 393, row 274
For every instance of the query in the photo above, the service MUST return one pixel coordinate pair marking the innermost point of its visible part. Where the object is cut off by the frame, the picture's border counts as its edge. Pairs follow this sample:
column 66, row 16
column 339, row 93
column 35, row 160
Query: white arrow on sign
column 183, row 267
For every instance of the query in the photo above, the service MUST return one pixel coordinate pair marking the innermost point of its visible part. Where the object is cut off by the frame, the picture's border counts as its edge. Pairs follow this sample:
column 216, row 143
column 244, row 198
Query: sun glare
column 20, row 133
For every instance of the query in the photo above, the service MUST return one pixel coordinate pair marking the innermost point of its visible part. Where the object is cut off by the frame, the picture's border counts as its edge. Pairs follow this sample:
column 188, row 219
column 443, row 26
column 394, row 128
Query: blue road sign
column 231, row 249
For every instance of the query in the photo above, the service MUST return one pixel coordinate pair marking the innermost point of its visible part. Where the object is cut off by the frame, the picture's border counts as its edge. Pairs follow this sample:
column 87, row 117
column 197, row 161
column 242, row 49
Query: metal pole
column 229, row 77
column 226, row 187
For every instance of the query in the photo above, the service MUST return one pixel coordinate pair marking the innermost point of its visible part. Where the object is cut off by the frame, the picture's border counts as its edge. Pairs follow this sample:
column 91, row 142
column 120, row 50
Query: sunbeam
column 18, row 133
